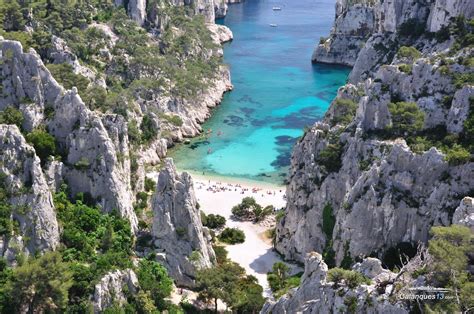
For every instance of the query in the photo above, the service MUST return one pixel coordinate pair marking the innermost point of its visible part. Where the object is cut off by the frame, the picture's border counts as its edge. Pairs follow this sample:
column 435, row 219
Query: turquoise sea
column 277, row 91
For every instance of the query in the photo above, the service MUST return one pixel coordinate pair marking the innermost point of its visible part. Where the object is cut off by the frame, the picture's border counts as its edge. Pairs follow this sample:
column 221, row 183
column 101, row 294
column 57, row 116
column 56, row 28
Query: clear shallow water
column 277, row 91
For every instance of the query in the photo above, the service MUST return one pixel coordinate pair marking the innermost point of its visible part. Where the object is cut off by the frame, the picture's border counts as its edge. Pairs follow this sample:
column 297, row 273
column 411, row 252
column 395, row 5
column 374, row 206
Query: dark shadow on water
column 197, row 144
column 247, row 111
column 234, row 120
column 322, row 68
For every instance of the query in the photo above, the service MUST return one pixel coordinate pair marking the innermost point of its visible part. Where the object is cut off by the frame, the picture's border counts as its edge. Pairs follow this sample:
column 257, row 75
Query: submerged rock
column 182, row 243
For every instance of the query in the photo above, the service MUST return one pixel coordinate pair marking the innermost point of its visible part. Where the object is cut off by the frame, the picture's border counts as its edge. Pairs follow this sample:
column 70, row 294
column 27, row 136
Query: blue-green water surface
column 277, row 91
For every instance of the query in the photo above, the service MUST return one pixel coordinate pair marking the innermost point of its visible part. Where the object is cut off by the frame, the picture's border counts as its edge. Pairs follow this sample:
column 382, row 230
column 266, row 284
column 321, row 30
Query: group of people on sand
column 229, row 187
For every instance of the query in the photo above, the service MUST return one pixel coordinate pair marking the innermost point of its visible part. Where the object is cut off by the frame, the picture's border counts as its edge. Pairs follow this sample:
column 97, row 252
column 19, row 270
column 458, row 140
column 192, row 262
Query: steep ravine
column 393, row 155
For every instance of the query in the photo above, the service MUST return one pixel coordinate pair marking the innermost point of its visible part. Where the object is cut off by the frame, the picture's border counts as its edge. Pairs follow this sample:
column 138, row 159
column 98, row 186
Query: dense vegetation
column 227, row 282
column 212, row 221
column 279, row 280
column 232, row 236
column 407, row 118
column 450, row 248
column 92, row 244
column 344, row 111
column 350, row 278
column 249, row 209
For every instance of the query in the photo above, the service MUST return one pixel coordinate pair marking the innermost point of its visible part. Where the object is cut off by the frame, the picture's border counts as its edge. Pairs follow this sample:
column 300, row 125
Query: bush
column 11, row 115
column 409, row 52
column 351, row 304
column 457, row 155
column 213, row 221
column 134, row 134
column 64, row 74
column 279, row 281
column 150, row 184
column 329, row 221
column 350, row 278
column 405, row 68
column 407, row 118
column 6, row 224
column 154, row 278
column 43, row 143
column 82, row 164
column 330, row 157
column 181, row 232
column 42, row 284
column 461, row 79
column 173, row 119
column 221, row 254
column 450, row 247
column 245, row 209
column 344, row 111
column 232, row 236
column 148, row 128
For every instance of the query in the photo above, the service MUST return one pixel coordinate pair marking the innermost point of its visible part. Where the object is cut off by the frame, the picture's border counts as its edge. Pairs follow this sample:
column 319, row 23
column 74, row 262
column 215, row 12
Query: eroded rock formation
column 380, row 190
column 26, row 191
column 113, row 288
column 317, row 294
column 182, row 243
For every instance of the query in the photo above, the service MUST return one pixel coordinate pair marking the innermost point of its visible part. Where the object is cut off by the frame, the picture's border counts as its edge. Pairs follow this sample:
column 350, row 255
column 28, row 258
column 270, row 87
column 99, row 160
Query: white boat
column 273, row 25
column 276, row 8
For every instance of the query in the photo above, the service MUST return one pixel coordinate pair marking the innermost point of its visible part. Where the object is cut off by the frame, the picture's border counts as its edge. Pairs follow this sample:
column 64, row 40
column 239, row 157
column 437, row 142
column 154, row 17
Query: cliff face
column 113, row 289
column 182, row 243
column 357, row 21
column 317, row 294
column 23, row 184
column 90, row 142
column 143, row 11
column 354, row 167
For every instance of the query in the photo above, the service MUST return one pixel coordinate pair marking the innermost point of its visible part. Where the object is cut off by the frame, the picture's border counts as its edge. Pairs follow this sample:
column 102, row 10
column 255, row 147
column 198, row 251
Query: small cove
column 277, row 91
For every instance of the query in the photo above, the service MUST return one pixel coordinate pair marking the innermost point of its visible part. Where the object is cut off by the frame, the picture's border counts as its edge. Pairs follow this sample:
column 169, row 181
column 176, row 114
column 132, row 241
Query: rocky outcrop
column 29, row 197
column 113, row 288
column 464, row 213
column 352, row 27
column 317, row 294
column 182, row 243
column 143, row 11
column 95, row 146
column 443, row 11
column 59, row 53
column 220, row 33
column 376, row 186
column 137, row 11
column 358, row 22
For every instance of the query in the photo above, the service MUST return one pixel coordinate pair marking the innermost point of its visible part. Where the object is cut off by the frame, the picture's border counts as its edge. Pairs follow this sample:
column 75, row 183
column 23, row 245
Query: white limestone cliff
column 182, row 243
column 23, row 181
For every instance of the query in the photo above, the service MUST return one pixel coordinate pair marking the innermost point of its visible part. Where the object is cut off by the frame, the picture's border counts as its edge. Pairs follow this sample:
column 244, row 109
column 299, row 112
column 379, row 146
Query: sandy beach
column 218, row 197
